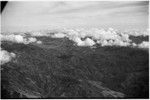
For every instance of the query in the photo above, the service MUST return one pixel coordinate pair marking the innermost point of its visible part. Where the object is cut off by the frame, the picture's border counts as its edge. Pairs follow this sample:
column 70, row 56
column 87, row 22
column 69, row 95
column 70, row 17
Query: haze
column 122, row 15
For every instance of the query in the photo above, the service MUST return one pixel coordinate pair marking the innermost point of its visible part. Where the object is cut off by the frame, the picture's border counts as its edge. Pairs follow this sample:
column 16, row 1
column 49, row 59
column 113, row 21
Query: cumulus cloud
column 144, row 44
column 81, row 37
column 113, row 43
column 30, row 40
column 59, row 35
column 88, row 42
column 6, row 56
column 39, row 42
column 39, row 33
column 134, row 45
column 92, row 36
column 138, row 33
column 78, row 41
column 12, row 38
column 17, row 38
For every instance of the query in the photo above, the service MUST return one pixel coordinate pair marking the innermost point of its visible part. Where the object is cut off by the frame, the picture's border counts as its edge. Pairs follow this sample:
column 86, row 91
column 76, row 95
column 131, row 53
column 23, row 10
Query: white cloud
column 91, row 36
column 39, row 33
column 138, row 33
column 12, row 38
column 134, row 45
column 36, row 34
column 144, row 44
column 58, row 35
column 89, row 42
column 6, row 56
column 39, row 42
column 32, row 40
column 78, row 41
column 108, row 37
column 81, row 37
column 17, row 38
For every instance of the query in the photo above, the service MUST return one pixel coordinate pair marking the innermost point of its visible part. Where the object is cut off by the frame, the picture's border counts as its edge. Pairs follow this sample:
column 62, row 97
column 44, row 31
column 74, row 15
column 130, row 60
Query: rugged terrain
column 59, row 69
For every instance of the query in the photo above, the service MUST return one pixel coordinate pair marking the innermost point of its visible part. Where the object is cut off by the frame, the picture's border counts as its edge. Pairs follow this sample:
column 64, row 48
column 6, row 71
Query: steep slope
column 59, row 69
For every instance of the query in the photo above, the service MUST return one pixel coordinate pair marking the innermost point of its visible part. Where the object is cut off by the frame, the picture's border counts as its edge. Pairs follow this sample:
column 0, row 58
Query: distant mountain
column 139, row 39
column 59, row 69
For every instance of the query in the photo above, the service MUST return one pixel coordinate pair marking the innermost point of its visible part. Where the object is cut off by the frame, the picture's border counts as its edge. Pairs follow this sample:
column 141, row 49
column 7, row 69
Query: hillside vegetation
column 59, row 69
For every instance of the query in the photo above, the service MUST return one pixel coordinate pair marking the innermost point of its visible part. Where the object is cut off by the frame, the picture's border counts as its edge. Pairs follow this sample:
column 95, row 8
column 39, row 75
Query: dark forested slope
column 59, row 69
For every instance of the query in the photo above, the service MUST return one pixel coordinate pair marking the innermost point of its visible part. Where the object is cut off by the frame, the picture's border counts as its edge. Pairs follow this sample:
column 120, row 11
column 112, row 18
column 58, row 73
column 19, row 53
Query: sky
column 30, row 15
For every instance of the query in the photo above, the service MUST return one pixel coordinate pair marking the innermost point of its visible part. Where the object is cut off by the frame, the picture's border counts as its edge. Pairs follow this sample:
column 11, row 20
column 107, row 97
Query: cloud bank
column 81, row 37
column 18, row 39
column 109, row 37
column 139, row 33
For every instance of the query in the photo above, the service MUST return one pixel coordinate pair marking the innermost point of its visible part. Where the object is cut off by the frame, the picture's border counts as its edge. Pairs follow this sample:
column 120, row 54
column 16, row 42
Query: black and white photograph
column 61, row 49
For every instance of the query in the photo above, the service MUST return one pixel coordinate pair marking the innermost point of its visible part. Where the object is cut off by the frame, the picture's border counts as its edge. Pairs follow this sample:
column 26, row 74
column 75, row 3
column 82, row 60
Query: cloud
column 49, row 15
column 109, row 37
column 114, row 43
column 88, row 42
column 144, row 44
column 30, row 40
column 92, row 36
column 13, row 38
column 6, row 56
column 39, row 42
column 17, row 38
column 39, row 33
column 81, row 37
column 78, row 41
column 58, row 35
column 140, row 33
column 134, row 45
